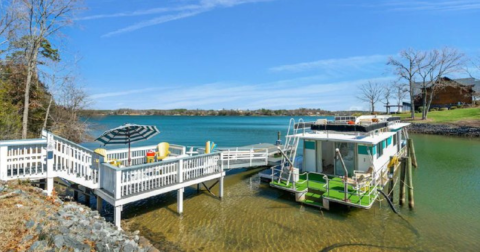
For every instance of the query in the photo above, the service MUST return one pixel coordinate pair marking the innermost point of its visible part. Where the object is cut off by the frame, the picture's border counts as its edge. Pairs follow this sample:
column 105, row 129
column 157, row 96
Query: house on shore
column 449, row 92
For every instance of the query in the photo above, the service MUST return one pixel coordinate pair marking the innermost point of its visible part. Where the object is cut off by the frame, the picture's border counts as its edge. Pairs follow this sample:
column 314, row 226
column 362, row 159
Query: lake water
column 254, row 217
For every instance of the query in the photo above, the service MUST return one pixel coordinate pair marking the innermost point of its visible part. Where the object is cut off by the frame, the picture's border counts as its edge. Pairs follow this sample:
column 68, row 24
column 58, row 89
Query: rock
column 67, row 223
column 27, row 238
column 129, row 246
column 2, row 188
column 64, row 230
column 97, row 226
column 44, row 193
column 19, row 205
column 153, row 249
column 30, row 224
column 58, row 241
column 136, row 238
column 136, row 232
column 38, row 246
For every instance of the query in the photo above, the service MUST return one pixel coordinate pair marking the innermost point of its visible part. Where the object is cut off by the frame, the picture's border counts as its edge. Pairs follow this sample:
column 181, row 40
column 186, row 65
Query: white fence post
column 180, row 171
column 49, row 163
column 118, row 184
column 3, row 162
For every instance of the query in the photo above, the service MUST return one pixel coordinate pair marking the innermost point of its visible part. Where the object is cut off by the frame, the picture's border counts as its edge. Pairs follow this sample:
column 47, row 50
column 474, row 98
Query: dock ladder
column 291, row 145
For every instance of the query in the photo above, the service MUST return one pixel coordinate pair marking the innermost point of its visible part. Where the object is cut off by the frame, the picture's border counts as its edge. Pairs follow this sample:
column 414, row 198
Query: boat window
column 380, row 148
column 395, row 139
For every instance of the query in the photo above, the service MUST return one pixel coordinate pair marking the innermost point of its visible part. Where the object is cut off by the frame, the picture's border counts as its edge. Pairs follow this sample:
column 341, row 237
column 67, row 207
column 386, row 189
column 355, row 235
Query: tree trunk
column 424, row 103
column 31, row 65
column 412, row 104
column 429, row 102
column 373, row 108
column 47, row 113
column 26, row 103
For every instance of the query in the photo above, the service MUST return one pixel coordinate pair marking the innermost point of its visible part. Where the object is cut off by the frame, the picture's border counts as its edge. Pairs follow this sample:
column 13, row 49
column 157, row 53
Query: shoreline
column 37, row 222
column 445, row 130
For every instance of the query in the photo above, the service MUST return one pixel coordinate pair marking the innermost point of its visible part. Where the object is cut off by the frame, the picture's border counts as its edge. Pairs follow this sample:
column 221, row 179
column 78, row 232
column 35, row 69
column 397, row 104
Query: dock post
column 99, row 204
column 402, row 181
column 180, row 200
column 220, row 188
column 118, row 216
column 87, row 197
column 410, row 183
column 390, row 184
column 411, row 150
column 49, row 163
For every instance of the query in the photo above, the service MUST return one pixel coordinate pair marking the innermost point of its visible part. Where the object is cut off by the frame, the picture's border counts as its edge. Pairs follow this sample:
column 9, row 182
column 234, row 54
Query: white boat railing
column 124, row 182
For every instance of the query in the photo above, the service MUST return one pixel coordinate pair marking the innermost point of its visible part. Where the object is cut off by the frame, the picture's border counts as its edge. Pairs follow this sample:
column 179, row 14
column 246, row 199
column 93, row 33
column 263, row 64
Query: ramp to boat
column 262, row 154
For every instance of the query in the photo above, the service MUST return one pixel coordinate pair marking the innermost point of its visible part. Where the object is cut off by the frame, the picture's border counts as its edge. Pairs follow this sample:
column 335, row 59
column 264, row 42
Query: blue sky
column 250, row 54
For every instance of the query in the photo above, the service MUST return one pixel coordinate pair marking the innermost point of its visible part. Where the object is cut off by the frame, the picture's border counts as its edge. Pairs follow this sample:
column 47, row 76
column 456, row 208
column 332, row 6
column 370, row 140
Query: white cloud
column 170, row 13
column 121, row 93
column 336, row 66
column 442, row 5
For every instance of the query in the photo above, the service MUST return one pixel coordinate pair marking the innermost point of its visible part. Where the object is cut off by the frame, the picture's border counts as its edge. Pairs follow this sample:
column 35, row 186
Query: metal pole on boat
column 339, row 155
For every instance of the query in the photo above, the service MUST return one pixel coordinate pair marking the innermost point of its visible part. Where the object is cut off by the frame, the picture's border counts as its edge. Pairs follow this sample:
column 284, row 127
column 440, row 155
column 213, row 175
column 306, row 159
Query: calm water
column 255, row 217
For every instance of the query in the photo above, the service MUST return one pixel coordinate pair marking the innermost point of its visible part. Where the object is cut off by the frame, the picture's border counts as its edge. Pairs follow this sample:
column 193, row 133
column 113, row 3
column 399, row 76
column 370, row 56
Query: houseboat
column 346, row 160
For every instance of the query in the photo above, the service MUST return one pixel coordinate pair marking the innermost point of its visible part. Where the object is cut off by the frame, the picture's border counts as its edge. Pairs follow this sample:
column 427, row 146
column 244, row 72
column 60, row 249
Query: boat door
column 309, row 157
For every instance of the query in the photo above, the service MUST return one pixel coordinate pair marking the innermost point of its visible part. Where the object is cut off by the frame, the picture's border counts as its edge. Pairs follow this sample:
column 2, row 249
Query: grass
column 336, row 192
column 448, row 116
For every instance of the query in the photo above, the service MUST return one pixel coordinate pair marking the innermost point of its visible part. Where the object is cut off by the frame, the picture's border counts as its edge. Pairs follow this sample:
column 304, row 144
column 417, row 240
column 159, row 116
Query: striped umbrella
column 127, row 134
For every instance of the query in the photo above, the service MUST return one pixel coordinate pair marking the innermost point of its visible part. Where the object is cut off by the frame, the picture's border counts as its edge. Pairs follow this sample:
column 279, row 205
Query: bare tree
column 426, row 73
column 448, row 61
column 38, row 21
column 401, row 91
column 407, row 67
column 7, row 18
column 387, row 93
column 371, row 92
column 70, row 100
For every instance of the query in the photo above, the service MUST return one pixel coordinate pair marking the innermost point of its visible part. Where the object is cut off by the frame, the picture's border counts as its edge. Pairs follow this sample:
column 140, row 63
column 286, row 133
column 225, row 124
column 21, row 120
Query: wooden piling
column 410, row 183
column 402, row 181
column 411, row 153
column 390, row 184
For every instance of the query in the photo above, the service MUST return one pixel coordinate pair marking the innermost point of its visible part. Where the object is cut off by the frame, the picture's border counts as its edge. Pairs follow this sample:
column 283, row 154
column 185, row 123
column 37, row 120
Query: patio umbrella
column 127, row 134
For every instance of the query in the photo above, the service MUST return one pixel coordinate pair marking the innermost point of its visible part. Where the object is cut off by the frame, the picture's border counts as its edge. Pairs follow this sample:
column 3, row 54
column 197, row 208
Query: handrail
column 141, row 166
column 23, row 142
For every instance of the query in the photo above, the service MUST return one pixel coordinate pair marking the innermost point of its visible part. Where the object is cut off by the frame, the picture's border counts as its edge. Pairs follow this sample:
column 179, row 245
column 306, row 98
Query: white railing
column 123, row 182
column 22, row 159
column 74, row 162
column 138, row 154
column 241, row 157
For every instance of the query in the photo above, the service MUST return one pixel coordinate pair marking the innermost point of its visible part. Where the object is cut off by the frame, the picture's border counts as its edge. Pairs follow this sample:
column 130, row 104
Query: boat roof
column 397, row 126
column 370, row 139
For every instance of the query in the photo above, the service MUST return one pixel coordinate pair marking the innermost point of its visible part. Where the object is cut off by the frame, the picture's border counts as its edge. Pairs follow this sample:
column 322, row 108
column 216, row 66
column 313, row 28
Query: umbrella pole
column 129, row 152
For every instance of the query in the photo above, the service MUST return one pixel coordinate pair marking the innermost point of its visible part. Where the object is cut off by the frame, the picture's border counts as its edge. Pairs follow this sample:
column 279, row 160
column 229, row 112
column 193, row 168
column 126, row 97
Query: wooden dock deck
column 54, row 157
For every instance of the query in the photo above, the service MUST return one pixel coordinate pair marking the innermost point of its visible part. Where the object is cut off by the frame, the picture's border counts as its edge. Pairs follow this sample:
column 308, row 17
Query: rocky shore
column 444, row 129
column 31, row 221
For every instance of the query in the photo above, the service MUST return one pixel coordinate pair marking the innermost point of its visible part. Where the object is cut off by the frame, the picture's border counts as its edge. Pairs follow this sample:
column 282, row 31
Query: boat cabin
column 365, row 143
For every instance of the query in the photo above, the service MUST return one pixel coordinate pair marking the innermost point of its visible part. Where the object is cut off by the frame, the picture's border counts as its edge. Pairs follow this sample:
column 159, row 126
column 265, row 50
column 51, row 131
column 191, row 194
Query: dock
column 51, row 157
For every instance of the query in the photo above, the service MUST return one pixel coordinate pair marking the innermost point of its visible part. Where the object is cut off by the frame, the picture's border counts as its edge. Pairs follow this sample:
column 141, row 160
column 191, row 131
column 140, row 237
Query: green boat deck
column 315, row 189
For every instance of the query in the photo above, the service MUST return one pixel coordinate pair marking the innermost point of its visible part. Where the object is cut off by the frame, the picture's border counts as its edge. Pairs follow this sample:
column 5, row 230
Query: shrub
column 357, row 114
column 453, row 107
column 443, row 109
column 433, row 109
column 477, row 103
